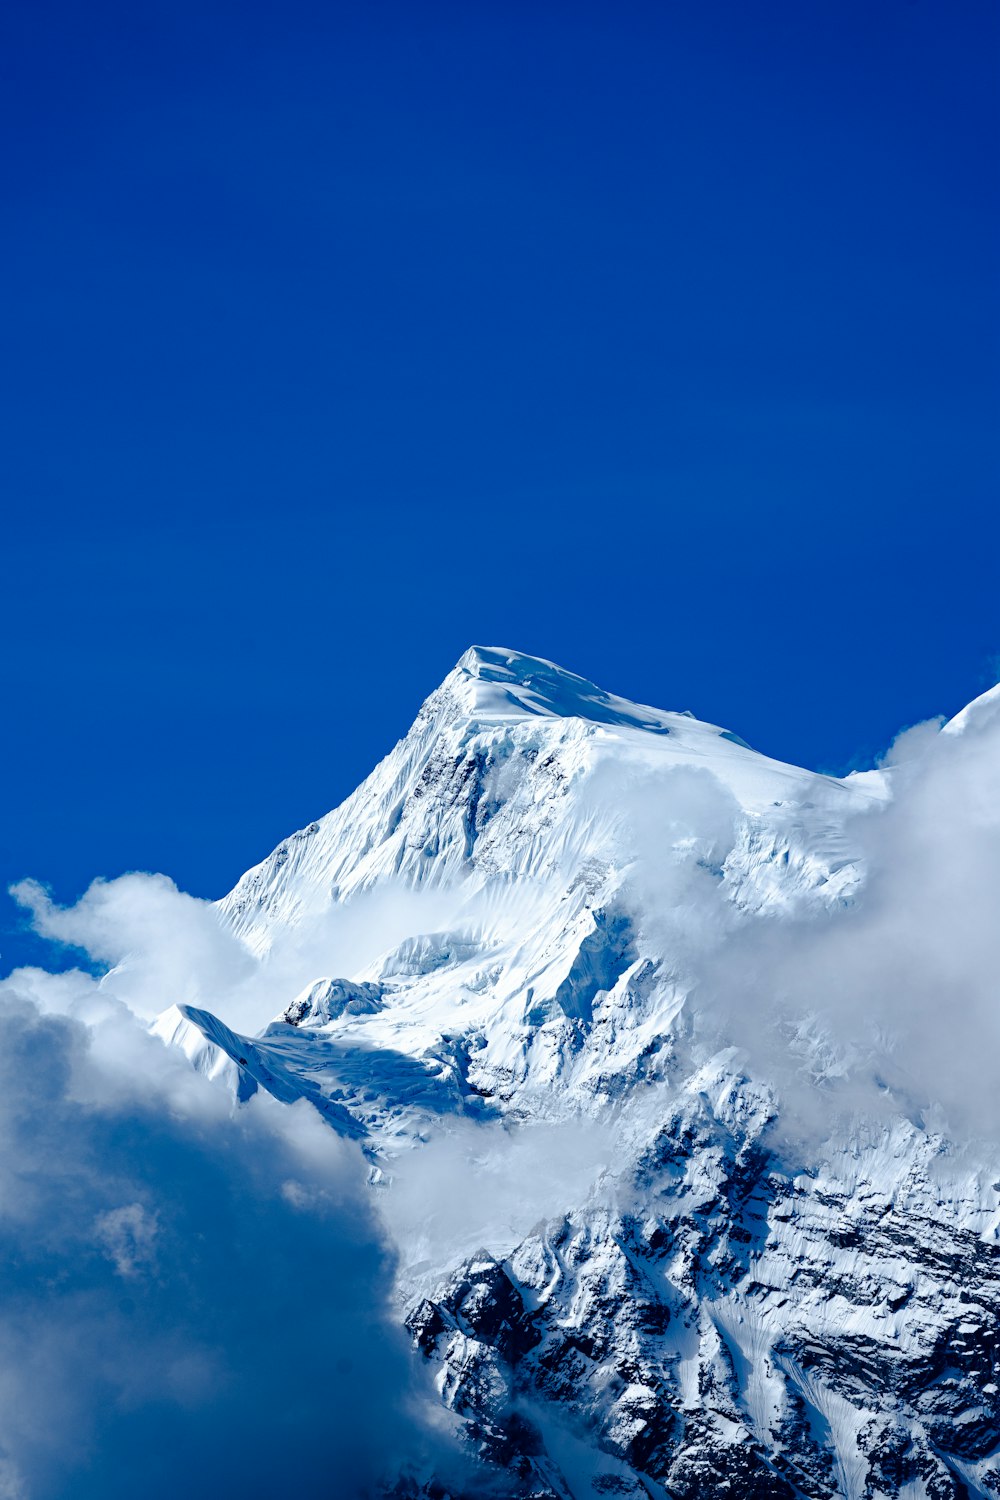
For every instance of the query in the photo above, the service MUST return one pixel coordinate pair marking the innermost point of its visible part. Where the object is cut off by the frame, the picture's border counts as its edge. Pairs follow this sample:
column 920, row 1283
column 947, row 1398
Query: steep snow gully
column 660, row 1236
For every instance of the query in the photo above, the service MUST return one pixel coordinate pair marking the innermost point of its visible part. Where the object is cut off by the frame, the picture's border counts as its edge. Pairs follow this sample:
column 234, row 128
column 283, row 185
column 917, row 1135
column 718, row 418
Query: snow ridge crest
column 494, row 683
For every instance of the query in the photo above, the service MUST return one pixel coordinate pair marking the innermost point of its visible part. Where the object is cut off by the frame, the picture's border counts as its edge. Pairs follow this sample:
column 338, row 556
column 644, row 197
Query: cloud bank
column 195, row 1299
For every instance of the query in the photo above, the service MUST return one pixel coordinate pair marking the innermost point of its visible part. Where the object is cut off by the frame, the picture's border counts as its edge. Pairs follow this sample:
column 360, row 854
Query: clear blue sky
column 660, row 339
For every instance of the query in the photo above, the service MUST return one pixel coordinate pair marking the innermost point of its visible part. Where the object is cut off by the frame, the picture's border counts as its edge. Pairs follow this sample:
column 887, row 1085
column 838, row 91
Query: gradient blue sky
column 660, row 339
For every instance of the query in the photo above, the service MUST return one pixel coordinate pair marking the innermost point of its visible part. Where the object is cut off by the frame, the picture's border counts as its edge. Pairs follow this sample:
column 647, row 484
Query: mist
column 888, row 1001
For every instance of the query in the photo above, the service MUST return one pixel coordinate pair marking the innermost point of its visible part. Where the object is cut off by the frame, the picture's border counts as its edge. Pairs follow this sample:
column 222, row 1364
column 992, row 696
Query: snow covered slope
column 491, row 782
column 708, row 1311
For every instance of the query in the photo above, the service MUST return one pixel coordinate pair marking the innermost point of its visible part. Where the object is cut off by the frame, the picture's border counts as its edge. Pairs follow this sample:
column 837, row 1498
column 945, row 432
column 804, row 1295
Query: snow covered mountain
column 714, row 1302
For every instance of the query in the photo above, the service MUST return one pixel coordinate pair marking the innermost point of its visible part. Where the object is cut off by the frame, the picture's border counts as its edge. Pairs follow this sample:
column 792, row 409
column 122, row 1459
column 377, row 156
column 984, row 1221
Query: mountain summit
column 498, row 684
column 519, row 927
column 513, row 766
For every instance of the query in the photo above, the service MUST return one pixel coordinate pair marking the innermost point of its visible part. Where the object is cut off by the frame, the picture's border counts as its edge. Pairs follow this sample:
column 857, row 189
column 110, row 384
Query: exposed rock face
column 759, row 1336
column 720, row 1313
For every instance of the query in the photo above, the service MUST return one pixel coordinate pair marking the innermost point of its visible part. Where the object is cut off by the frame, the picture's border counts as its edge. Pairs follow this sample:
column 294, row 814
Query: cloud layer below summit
column 159, row 946
column 195, row 1300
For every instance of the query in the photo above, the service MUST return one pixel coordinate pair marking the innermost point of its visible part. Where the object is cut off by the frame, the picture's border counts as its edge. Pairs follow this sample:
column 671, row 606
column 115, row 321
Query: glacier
column 642, row 1251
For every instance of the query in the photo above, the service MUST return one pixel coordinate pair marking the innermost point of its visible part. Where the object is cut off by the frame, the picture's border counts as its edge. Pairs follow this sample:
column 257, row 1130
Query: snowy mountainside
column 510, row 807
column 719, row 1310
column 486, row 783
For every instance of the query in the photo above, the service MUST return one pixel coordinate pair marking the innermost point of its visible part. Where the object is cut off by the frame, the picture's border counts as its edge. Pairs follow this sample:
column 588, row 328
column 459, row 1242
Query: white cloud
column 487, row 1185
column 898, row 993
column 195, row 1298
column 162, row 947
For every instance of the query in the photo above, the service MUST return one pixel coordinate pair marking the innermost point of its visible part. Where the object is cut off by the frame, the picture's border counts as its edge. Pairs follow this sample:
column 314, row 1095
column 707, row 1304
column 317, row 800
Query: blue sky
column 660, row 340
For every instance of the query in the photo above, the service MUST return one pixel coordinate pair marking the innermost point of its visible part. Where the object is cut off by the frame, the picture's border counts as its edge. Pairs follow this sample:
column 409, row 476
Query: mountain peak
column 497, row 683
column 503, row 664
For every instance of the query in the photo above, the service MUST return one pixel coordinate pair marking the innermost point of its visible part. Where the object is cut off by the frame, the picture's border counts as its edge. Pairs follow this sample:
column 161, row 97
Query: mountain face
column 721, row 1306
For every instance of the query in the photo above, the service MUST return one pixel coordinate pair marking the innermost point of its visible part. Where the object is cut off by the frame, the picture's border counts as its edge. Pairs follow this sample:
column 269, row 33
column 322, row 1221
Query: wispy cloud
column 890, row 1001
column 159, row 946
